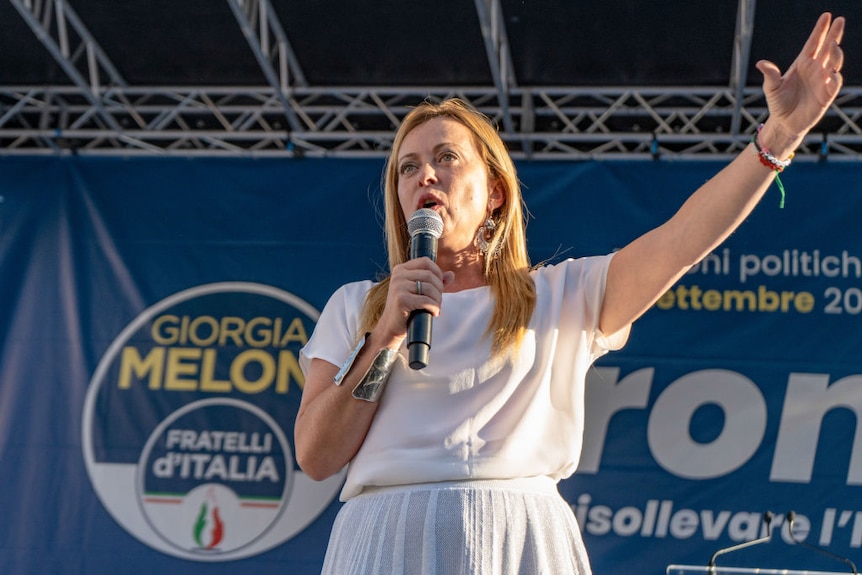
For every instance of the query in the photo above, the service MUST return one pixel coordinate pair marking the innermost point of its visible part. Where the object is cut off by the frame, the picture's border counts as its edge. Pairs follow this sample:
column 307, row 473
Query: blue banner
column 151, row 313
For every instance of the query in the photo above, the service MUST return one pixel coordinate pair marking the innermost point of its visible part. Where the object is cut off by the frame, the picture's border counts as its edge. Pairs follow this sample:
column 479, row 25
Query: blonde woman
column 453, row 467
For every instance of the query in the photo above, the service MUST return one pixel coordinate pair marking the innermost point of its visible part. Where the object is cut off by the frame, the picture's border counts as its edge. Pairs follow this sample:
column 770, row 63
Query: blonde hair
column 508, row 272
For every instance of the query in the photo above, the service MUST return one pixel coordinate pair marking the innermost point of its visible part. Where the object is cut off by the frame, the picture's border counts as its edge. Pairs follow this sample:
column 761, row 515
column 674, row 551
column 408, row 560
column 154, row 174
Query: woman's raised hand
column 799, row 98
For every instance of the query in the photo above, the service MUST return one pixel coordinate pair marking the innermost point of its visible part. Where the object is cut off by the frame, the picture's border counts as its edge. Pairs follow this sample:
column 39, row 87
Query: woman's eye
column 406, row 169
column 448, row 157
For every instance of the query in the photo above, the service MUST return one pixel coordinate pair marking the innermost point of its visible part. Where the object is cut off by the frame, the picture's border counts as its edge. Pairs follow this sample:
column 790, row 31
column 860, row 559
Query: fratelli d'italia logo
column 184, row 423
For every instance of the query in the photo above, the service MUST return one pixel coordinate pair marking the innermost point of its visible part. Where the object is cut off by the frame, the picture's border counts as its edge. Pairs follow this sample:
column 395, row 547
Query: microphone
column 767, row 518
column 425, row 226
column 791, row 515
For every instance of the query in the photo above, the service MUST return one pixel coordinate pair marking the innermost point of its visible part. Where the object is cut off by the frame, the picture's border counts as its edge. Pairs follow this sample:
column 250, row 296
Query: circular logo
column 183, row 433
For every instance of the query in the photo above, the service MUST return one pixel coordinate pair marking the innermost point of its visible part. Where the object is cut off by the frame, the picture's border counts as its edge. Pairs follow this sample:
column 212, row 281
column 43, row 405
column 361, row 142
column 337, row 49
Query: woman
column 453, row 469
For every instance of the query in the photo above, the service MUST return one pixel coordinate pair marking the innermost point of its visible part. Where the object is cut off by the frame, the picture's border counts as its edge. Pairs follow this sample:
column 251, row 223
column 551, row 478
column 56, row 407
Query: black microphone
column 791, row 515
column 767, row 518
column 425, row 226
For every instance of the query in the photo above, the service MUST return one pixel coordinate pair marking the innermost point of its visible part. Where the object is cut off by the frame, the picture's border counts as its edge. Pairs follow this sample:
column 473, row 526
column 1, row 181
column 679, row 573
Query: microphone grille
column 425, row 220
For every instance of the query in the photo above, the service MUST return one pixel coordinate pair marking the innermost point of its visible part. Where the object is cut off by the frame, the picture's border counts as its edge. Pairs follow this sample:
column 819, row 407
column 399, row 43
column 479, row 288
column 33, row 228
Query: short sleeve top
column 469, row 415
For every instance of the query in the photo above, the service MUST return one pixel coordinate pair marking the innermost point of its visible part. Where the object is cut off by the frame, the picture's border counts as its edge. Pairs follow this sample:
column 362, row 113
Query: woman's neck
column 468, row 267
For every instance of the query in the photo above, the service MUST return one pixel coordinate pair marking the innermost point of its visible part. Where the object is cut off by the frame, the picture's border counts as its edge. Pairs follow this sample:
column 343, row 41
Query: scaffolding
column 98, row 113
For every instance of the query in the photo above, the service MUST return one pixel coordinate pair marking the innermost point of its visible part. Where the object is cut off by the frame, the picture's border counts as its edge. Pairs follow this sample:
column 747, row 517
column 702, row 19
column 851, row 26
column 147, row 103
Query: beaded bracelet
column 771, row 162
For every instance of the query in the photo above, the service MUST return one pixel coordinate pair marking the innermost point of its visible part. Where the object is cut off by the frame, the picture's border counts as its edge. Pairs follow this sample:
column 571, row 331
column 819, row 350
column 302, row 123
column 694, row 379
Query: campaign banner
column 152, row 311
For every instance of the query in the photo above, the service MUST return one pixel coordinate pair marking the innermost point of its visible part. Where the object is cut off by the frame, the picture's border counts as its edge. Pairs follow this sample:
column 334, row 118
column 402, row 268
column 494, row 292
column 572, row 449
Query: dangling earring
column 484, row 236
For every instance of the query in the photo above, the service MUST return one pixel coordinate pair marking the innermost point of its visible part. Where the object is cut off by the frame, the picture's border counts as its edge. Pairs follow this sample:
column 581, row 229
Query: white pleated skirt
column 499, row 527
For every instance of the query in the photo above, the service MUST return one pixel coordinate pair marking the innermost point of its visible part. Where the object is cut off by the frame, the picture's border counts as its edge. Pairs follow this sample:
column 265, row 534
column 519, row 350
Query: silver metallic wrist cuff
column 371, row 386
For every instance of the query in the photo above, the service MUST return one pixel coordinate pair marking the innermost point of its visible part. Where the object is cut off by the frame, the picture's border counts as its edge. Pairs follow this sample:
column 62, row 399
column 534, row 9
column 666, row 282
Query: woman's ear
column 496, row 198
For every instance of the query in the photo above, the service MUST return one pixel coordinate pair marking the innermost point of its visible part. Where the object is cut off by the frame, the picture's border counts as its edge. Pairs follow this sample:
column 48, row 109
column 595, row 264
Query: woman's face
column 439, row 167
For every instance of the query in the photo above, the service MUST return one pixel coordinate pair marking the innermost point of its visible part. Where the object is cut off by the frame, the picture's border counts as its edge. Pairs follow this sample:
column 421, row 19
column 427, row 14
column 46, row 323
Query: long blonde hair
column 508, row 272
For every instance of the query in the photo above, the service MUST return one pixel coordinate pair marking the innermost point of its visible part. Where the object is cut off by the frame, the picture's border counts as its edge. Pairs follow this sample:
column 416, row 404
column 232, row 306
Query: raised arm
column 643, row 270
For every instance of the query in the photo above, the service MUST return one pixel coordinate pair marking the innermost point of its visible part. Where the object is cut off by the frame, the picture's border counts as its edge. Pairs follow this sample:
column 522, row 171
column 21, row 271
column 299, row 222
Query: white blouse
column 466, row 415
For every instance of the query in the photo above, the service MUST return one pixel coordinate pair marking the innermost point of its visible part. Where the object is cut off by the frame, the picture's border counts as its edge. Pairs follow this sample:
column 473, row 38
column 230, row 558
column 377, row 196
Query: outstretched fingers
column 824, row 44
column 826, row 55
column 817, row 38
column 834, row 55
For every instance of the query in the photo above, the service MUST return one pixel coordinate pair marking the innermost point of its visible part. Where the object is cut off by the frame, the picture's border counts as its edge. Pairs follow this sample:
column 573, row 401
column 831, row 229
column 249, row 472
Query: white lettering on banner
column 809, row 397
column 206, row 467
column 794, row 263
column 211, row 440
column 660, row 519
column 669, row 422
column 800, row 428
column 606, row 395
column 844, row 518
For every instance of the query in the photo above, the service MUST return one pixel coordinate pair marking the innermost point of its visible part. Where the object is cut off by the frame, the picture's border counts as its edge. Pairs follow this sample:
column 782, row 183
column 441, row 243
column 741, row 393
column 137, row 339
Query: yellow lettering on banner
column 168, row 334
column 712, row 300
column 760, row 300
column 666, row 301
column 237, row 371
column 194, row 369
column 804, row 302
column 231, row 327
column 258, row 337
column 295, row 333
column 206, row 330
column 741, row 298
column 194, row 331
column 208, row 381
column 131, row 361
column 177, row 366
column 288, row 367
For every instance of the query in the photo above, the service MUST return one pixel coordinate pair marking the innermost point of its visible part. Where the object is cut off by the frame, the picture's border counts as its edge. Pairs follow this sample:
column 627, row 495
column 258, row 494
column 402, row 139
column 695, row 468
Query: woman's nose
column 427, row 175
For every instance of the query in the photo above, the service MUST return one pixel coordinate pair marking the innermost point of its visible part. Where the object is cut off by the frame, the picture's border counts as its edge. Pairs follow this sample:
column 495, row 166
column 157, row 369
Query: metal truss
column 99, row 113
column 621, row 123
